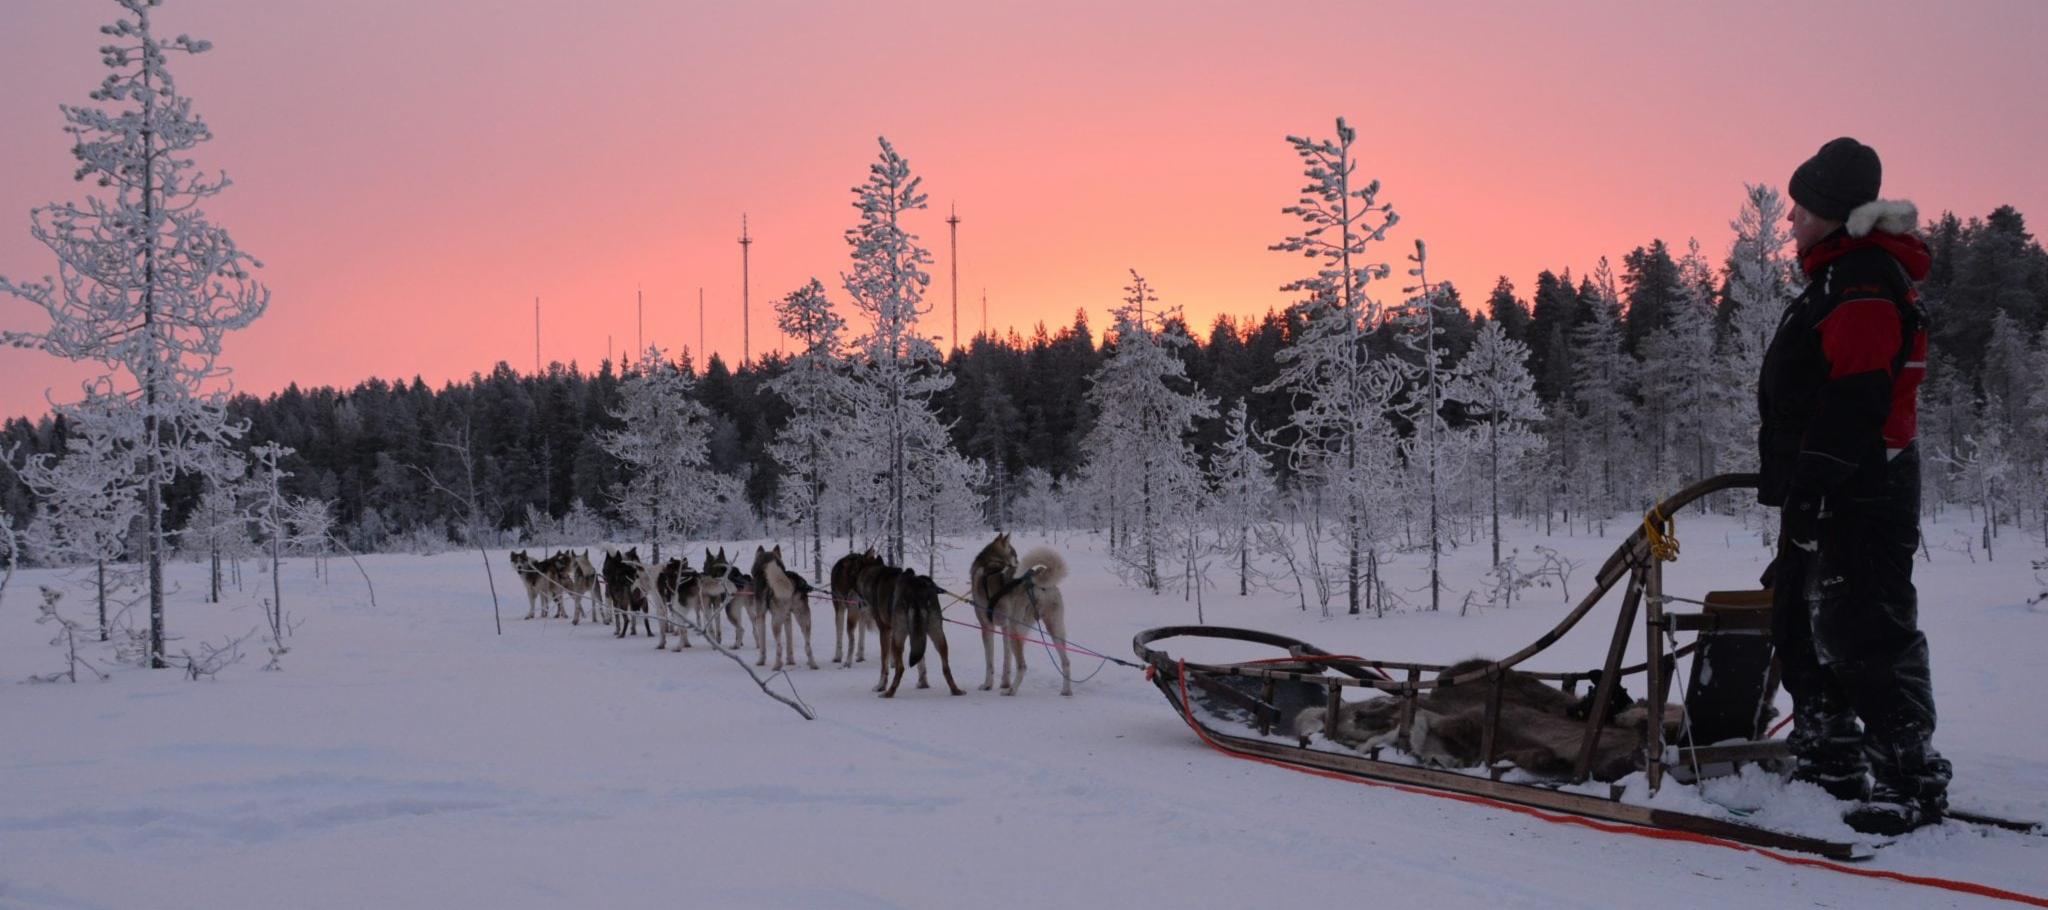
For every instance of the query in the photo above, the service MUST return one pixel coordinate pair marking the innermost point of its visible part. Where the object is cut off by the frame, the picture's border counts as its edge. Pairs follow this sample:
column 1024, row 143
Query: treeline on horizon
column 1019, row 402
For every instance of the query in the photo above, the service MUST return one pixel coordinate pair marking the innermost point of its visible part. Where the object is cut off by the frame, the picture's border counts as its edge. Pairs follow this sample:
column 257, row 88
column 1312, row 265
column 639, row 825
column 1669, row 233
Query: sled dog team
column 1011, row 596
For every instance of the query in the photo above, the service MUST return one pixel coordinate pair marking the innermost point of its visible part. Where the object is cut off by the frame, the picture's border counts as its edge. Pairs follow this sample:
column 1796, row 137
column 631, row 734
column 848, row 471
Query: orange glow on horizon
column 413, row 175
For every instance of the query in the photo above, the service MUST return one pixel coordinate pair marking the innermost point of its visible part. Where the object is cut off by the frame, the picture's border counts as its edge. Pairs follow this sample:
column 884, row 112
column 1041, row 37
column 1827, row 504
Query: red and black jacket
column 1839, row 393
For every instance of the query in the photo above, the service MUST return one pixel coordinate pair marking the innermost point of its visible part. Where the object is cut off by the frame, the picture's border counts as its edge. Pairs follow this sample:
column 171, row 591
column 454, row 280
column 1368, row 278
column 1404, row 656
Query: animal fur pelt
column 1537, row 732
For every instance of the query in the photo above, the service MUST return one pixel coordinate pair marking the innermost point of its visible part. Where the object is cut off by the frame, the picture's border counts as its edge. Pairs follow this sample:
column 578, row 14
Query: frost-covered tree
column 1421, row 326
column 1494, row 385
column 815, row 386
column 1241, row 489
column 943, row 497
column 1338, row 437
column 10, row 553
column 1602, row 375
column 90, row 495
column 219, row 528
column 1038, row 503
column 899, row 370
column 2034, row 427
column 1984, row 469
column 1762, row 279
column 267, row 510
column 664, row 441
column 1140, row 449
column 1680, row 382
column 146, row 285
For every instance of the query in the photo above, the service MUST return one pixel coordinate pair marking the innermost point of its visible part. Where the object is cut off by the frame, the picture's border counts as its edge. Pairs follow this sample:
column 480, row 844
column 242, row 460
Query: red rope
column 1944, row 884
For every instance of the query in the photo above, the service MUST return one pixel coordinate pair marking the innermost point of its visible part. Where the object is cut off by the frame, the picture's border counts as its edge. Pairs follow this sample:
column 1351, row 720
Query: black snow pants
column 1845, row 620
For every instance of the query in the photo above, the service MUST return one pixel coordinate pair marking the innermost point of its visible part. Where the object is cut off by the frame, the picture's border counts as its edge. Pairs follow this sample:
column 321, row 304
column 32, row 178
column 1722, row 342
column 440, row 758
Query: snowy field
column 407, row 757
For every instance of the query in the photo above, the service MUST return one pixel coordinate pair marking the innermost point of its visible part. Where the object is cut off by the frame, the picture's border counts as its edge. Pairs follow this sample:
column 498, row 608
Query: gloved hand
column 1770, row 576
column 1802, row 521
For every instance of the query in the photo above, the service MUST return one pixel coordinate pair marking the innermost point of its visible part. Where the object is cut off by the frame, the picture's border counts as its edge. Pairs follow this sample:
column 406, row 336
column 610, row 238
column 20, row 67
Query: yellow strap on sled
column 1660, row 531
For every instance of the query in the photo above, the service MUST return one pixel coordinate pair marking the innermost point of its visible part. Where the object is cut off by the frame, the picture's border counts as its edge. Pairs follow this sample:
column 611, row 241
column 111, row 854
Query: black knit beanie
column 1841, row 176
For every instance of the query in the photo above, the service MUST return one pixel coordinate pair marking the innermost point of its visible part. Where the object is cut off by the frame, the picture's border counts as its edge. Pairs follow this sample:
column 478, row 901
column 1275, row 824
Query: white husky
column 1033, row 599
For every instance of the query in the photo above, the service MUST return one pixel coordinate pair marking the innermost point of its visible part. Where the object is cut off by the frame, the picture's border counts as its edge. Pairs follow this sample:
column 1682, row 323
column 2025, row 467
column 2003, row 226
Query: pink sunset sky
column 413, row 174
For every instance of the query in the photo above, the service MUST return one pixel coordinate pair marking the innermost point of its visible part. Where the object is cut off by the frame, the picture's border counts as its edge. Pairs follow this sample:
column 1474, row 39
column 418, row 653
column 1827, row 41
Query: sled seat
column 1734, row 679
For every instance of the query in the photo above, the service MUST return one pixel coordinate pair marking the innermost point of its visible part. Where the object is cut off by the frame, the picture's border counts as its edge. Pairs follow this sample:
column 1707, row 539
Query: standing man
column 1838, row 397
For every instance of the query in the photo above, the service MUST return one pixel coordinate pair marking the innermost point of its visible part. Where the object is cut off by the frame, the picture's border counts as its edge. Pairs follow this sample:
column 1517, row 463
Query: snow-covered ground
column 407, row 757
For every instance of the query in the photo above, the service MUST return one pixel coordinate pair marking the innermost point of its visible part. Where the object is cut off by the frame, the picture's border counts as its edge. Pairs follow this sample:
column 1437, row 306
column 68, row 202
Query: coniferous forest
column 1020, row 406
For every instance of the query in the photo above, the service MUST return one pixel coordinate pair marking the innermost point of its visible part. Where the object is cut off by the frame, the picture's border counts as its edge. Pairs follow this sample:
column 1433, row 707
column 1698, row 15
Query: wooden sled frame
column 1638, row 562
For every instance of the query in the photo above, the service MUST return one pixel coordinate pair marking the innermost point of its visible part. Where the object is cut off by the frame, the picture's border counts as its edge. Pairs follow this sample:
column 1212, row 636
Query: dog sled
column 1461, row 729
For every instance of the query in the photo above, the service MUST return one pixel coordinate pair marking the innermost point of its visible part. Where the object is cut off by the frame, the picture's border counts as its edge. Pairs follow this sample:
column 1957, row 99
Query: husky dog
column 1536, row 731
column 848, row 610
column 668, row 586
column 777, row 600
column 578, row 580
column 993, row 568
column 626, row 586
column 906, row 610
column 1029, row 600
column 719, row 596
column 535, row 580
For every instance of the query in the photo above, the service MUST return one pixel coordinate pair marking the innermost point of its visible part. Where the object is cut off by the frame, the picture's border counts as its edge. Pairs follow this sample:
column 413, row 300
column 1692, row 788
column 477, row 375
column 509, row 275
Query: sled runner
column 1491, row 730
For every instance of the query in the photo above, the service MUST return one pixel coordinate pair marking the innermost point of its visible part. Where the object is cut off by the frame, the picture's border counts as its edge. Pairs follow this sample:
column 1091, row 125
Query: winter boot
column 1828, row 750
column 1912, row 785
column 1889, row 812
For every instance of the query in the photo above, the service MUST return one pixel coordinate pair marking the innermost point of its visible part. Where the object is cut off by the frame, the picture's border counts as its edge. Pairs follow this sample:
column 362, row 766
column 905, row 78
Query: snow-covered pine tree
column 10, row 553
column 1338, row 435
column 664, row 441
column 1680, row 381
column 815, row 386
column 1762, row 279
column 944, row 495
column 900, row 370
column 1241, row 489
column 90, row 497
column 267, row 507
column 1140, row 446
column 1422, row 406
column 1038, row 504
column 1602, row 374
column 2035, row 427
column 147, row 285
column 1494, row 385
column 217, row 528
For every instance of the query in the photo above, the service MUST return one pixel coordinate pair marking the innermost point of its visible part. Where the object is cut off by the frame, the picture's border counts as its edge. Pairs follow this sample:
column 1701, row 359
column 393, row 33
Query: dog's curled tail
column 1046, row 565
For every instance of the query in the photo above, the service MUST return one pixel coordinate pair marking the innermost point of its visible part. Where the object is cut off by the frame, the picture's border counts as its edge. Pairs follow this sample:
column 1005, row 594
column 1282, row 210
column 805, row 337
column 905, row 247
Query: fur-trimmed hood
column 1887, row 224
column 1890, row 216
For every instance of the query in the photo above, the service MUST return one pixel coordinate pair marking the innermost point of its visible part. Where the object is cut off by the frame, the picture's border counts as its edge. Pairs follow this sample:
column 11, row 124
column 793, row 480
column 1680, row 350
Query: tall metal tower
column 984, row 311
column 746, row 325
column 953, row 229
